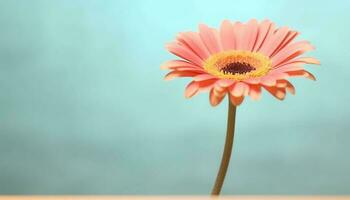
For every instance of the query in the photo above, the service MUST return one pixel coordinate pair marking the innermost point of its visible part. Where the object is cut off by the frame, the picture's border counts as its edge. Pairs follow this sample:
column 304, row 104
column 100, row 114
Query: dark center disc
column 237, row 68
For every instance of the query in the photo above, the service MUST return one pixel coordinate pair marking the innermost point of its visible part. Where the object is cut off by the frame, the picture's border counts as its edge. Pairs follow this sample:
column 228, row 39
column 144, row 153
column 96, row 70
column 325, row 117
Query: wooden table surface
column 173, row 197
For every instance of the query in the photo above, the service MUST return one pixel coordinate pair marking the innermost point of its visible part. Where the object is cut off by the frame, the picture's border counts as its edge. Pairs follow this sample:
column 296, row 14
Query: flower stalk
column 231, row 120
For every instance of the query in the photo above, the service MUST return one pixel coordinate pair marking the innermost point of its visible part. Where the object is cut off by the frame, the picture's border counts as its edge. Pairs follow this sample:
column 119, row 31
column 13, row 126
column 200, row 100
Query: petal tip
column 236, row 101
column 226, row 21
column 167, row 46
column 163, row 67
column 167, row 78
column 187, row 96
column 311, row 77
column 257, row 98
column 202, row 26
column 317, row 62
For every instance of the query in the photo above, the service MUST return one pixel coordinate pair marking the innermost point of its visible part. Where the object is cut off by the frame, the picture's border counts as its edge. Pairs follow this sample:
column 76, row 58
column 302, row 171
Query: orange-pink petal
column 291, row 51
column 236, row 100
column 184, row 53
column 250, row 35
column 252, row 80
column 172, row 64
column 239, row 31
column 195, row 43
column 206, row 85
column 274, row 41
column 203, row 77
column 266, row 29
column 210, row 38
column 287, row 85
column 191, row 89
column 268, row 81
column 239, row 89
column 173, row 74
column 255, row 91
column 289, row 67
column 288, row 39
column 302, row 73
column 278, row 75
column 227, row 35
column 301, row 60
column 290, row 88
column 189, row 69
column 225, row 82
column 279, row 93
column 216, row 96
column 281, row 84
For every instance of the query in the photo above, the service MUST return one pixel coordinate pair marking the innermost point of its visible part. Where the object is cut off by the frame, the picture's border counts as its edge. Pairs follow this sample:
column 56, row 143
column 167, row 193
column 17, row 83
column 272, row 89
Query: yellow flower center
column 238, row 65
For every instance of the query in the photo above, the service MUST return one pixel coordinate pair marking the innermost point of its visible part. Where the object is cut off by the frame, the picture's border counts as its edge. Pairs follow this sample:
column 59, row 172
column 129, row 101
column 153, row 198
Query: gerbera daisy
column 239, row 60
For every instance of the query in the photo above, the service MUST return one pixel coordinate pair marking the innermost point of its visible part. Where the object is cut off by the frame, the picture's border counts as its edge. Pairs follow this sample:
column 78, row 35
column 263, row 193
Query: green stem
column 231, row 119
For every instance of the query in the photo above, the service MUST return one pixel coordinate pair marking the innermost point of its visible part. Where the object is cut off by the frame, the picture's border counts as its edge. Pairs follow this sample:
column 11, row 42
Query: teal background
column 84, row 109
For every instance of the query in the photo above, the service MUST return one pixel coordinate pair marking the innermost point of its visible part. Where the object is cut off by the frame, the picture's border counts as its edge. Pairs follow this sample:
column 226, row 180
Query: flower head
column 239, row 60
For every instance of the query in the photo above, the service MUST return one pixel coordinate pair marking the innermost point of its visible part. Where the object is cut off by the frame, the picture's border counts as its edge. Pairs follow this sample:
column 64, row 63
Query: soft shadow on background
column 84, row 109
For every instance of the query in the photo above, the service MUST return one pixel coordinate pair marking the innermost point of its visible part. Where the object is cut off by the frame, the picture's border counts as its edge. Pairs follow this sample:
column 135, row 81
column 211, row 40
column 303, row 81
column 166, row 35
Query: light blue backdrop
column 84, row 109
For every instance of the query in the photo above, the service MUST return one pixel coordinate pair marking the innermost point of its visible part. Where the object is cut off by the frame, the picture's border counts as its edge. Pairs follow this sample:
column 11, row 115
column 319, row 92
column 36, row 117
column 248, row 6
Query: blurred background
column 84, row 109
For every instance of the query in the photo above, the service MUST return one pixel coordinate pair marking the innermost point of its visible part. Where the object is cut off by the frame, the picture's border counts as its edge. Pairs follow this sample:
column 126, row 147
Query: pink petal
column 310, row 76
column 219, row 88
column 194, row 41
column 278, row 75
column 239, row 89
column 255, row 91
column 266, row 28
column 281, row 84
column 203, row 77
column 268, row 80
column 291, row 51
column 252, row 80
column 174, row 74
column 178, row 63
column 225, row 82
column 210, row 38
column 236, row 100
column 191, row 89
column 274, row 41
column 215, row 96
column 302, row 73
column 184, row 53
column 289, row 67
column 190, row 69
column 251, row 35
column 206, row 85
column 301, row 60
column 289, row 38
column 239, row 34
column 227, row 35
column 290, row 88
column 287, row 85
column 279, row 93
